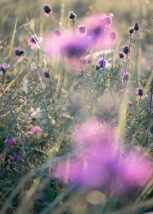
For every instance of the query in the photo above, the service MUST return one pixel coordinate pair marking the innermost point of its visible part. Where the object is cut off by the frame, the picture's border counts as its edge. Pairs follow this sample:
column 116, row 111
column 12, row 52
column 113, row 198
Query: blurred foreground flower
column 98, row 29
column 66, row 45
column 101, row 162
column 4, row 68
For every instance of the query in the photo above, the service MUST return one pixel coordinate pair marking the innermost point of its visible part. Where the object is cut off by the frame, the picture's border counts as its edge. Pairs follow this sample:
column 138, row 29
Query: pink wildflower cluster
column 94, row 33
column 101, row 162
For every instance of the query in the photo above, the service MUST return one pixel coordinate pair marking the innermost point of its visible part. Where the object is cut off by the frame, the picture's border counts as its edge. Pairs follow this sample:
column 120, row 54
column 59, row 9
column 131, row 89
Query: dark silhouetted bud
column 126, row 50
column 46, row 74
column 72, row 15
column 131, row 31
column 136, row 27
column 121, row 55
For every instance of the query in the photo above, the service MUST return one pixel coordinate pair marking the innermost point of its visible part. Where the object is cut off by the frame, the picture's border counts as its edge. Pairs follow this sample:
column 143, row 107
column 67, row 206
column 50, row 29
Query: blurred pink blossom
column 101, row 162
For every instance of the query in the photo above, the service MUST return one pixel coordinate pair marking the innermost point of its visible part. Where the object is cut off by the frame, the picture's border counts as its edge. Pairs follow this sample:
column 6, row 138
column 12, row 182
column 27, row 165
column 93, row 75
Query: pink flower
column 98, row 28
column 34, row 41
column 100, row 161
column 36, row 130
column 4, row 68
column 66, row 45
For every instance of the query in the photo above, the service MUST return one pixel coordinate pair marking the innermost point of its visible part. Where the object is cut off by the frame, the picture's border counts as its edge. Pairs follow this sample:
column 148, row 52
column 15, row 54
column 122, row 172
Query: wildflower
column 31, row 102
column 36, row 130
column 97, row 67
column 126, row 50
column 1, row 155
column 99, row 162
column 34, row 41
column 18, row 53
column 39, row 199
column 15, row 157
column 4, row 68
column 136, row 27
column 67, row 45
column 125, row 76
column 72, row 15
column 131, row 31
column 121, row 55
column 10, row 142
column 98, row 28
column 47, row 10
column 46, row 74
column 102, row 63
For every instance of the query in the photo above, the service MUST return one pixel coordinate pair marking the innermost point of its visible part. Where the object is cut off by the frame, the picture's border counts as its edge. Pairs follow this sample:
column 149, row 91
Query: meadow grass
column 43, row 100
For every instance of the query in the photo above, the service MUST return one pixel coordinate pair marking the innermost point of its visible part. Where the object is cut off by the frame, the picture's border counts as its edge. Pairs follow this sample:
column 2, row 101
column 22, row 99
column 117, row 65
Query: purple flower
column 1, row 155
column 101, row 162
column 125, row 75
column 15, row 157
column 102, row 63
column 36, row 130
column 98, row 28
column 67, row 45
column 4, row 68
column 1, row 174
column 39, row 199
column 34, row 41
column 10, row 142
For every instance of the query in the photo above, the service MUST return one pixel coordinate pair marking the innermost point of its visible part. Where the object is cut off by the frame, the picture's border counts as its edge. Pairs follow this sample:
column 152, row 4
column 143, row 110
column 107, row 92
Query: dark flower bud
column 72, row 15
column 121, row 55
column 136, row 27
column 97, row 67
column 126, row 50
column 19, row 52
column 47, row 9
column 140, row 92
column 46, row 74
column 131, row 31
